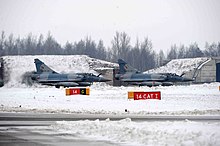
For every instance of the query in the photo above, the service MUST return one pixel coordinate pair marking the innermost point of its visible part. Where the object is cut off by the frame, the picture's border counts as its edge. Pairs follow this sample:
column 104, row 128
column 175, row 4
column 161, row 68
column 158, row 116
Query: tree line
column 141, row 55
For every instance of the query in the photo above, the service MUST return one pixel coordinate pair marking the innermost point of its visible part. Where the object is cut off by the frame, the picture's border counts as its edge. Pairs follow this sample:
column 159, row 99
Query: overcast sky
column 164, row 22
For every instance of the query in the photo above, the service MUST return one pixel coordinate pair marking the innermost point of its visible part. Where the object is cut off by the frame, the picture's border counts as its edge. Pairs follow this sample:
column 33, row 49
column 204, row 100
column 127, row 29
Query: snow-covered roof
column 179, row 66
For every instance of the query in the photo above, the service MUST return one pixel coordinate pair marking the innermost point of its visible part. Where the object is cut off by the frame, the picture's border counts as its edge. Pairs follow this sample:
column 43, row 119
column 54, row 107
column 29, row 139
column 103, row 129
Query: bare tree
column 2, row 40
column 172, row 53
column 120, row 45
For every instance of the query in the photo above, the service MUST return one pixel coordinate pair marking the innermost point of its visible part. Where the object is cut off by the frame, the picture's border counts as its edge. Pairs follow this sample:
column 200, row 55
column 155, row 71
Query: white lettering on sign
column 74, row 91
column 147, row 95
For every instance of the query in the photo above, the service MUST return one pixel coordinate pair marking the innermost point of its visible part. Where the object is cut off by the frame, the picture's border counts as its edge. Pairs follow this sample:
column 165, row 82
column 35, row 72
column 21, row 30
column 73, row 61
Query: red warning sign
column 147, row 95
column 77, row 91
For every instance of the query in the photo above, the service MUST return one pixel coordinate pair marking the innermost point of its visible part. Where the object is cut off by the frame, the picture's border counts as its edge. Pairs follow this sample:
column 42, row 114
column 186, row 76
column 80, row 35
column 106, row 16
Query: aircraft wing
column 58, row 80
column 66, row 84
column 141, row 80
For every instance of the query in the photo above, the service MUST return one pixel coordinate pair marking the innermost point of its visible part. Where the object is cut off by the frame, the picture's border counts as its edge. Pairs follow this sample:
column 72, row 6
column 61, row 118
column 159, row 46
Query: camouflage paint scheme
column 47, row 76
column 132, row 76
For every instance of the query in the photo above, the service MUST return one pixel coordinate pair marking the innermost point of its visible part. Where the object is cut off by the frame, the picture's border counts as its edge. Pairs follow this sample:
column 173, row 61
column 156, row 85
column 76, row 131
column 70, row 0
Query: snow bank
column 17, row 66
column 179, row 66
column 128, row 132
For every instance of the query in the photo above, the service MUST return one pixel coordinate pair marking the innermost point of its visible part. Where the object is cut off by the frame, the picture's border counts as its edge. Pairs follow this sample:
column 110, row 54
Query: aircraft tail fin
column 42, row 68
column 124, row 67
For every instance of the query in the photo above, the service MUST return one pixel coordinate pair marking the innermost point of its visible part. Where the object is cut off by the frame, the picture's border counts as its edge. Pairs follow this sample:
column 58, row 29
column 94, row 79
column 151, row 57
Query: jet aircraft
column 47, row 76
column 132, row 76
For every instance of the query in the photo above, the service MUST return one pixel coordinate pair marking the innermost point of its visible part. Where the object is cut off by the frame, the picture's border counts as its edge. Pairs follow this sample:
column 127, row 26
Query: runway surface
column 76, row 117
column 31, row 129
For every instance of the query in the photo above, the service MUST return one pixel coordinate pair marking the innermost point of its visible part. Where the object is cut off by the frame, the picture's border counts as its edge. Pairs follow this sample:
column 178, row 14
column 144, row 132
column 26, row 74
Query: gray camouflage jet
column 47, row 76
column 132, row 76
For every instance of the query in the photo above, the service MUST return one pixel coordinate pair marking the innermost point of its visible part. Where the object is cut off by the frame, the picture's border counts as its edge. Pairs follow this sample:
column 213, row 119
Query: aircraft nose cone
column 104, row 79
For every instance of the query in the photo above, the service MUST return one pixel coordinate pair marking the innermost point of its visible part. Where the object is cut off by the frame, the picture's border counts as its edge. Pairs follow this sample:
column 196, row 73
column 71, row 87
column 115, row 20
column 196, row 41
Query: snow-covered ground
column 103, row 99
column 203, row 99
column 127, row 132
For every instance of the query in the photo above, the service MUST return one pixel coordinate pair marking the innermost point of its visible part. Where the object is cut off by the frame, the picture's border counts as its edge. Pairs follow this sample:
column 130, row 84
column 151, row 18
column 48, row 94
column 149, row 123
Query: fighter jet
column 47, row 76
column 132, row 76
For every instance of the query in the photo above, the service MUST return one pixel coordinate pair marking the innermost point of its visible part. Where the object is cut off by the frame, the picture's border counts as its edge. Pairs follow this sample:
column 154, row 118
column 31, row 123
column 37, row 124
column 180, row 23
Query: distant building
column 107, row 73
column 208, row 71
